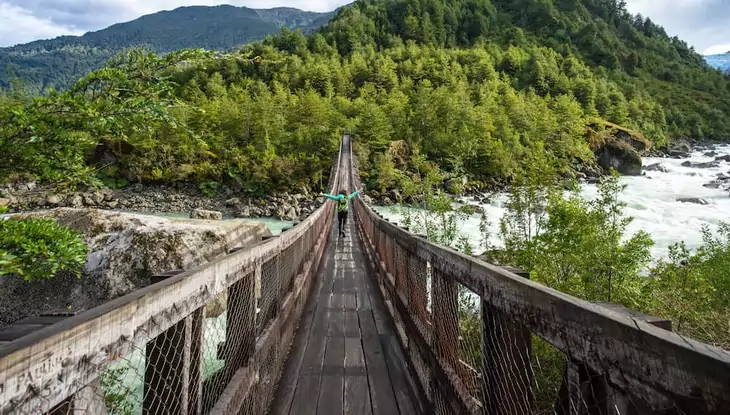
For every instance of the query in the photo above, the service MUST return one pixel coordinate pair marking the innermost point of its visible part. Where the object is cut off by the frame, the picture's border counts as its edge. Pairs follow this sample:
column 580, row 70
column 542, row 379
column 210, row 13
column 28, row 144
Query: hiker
column 343, row 205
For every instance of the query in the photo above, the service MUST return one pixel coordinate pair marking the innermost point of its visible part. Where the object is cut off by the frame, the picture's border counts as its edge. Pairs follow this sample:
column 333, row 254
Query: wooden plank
column 352, row 325
column 336, row 327
column 331, row 389
column 357, row 392
column 381, row 389
column 349, row 301
column 307, row 395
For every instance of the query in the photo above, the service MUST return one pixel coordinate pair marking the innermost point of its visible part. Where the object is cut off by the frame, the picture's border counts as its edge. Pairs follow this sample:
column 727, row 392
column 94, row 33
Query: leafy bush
column 39, row 248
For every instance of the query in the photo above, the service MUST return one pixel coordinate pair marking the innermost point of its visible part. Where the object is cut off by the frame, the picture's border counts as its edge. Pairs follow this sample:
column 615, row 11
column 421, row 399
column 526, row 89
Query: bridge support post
column 173, row 378
column 506, row 376
column 586, row 392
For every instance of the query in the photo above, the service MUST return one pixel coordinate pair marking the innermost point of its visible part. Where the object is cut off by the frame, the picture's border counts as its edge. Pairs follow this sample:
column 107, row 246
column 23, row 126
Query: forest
column 470, row 84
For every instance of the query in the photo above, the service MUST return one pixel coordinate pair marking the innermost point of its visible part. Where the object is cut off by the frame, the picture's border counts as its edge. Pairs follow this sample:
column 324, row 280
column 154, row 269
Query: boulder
column 621, row 157
column 656, row 167
column 695, row 200
column 708, row 165
column 725, row 157
column 710, row 154
column 712, row 185
column 125, row 250
column 206, row 214
column 4, row 202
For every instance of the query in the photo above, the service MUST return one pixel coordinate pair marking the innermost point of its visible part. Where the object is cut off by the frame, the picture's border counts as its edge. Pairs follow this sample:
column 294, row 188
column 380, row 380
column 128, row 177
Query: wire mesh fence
column 480, row 340
column 213, row 339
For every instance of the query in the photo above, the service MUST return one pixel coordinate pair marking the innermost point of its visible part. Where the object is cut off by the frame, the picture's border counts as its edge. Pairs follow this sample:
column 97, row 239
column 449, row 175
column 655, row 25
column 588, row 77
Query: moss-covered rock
column 617, row 147
column 620, row 156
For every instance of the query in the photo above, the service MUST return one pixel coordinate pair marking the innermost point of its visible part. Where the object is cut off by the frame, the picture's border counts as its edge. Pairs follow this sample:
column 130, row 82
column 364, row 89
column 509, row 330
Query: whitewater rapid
column 650, row 199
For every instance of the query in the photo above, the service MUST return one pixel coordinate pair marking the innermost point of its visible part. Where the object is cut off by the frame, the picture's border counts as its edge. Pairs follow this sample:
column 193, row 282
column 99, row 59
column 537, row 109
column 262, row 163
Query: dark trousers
column 341, row 220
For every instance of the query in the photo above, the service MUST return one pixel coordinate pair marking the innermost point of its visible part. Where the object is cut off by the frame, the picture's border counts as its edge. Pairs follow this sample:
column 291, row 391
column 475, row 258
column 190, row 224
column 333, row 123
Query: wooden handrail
column 48, row 367
column 661, row 368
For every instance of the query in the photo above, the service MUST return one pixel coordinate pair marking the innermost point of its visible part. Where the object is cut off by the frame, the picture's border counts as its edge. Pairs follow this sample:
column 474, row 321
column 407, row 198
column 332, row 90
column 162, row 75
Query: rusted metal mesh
column 225, row 355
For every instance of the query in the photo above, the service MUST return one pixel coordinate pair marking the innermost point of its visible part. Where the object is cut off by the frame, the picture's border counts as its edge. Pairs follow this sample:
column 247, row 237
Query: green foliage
column 38, row 249
column 118, row 399
column 692, row 288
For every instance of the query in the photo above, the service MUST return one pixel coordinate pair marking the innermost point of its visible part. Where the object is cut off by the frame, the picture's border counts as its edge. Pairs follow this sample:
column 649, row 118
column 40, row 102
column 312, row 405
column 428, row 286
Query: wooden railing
column 484, row 339
column 153, row 351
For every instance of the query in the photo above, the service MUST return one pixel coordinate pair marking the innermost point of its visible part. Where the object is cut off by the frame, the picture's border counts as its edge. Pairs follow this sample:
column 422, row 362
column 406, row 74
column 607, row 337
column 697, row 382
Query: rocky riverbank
column 29, row 196
column 125, row 250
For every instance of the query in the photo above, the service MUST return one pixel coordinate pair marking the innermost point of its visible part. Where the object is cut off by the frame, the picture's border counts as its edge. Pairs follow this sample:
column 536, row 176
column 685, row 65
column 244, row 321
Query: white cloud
column 19, row 25
column 701, row 23
column 717, row 49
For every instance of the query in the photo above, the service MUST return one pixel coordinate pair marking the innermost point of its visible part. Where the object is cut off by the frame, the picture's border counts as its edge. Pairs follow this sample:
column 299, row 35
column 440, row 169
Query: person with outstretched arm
column 343, row 205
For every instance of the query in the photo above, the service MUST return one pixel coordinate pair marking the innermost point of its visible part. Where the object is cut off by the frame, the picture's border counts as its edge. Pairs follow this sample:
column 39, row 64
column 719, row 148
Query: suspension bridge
column 381, row 321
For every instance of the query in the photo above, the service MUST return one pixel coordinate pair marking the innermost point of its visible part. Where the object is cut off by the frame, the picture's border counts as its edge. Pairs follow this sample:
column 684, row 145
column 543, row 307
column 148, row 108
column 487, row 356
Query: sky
column 702, row 23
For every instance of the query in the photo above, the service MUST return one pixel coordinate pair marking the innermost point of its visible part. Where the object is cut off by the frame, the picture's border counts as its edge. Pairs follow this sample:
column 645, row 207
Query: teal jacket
column 340, row 197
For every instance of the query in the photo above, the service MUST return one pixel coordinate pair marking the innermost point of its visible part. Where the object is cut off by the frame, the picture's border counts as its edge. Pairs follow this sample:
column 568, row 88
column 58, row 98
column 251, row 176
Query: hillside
column 486, row 89
column 59, row 62
column 721, row 62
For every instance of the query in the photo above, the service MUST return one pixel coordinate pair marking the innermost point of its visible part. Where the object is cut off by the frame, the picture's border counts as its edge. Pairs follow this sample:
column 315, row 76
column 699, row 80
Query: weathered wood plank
column 357, row 393
column 381, row 389
column 307, row 395
column 331, row 390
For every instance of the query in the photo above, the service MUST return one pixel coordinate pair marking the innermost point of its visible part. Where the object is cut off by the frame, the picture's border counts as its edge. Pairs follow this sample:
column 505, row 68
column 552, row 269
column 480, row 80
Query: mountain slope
column 632, row 52
column 721, row 62
column 57, row 63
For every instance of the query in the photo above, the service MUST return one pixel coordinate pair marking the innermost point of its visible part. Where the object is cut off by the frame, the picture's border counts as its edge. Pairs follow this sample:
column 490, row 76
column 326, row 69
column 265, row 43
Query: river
column 651, row 200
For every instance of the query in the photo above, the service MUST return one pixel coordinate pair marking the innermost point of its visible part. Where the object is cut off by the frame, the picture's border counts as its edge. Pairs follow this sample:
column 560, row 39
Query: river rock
column 621, row 157
column 233, row 201
column 125, row 250
column 206, row 214
column 708, row 165
column 695, row 200
column 76, row 201
column 725, row 157
column 710, row 154
column 656, row 167
column 53, row 200
column 680, row 149
column 712, row 185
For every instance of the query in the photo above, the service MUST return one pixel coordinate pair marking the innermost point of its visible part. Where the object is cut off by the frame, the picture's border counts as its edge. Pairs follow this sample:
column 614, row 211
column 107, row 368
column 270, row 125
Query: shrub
column 39, row 248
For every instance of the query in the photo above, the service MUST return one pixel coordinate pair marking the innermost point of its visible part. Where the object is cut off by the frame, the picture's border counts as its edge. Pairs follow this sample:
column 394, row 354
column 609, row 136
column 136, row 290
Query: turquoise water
column 275, row 225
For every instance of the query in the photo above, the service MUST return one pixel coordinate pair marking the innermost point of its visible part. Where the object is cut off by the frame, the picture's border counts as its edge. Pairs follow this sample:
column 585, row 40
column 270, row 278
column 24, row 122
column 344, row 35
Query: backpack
column 342, row 204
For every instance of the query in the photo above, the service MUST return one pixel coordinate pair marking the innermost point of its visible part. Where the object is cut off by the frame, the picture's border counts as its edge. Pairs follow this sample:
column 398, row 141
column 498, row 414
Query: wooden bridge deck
column 346, row 357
